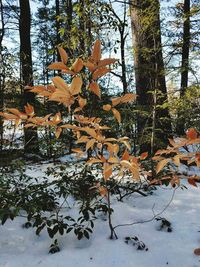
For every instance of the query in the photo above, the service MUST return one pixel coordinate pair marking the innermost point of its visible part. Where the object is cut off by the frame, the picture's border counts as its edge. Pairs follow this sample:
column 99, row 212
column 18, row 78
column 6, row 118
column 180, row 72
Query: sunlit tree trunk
column 149, row 74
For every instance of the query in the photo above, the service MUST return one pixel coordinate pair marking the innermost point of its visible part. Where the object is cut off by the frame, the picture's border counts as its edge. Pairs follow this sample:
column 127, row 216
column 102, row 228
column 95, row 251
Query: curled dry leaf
column 107, row 107
column 91, row 66
column 115, row 149
column 126, row 155
column 96, row 52
column 77, row 150
column 94, row 87
column 29, row 109
column 176, row 160
column 197, row 251
column 63, row 55
column 116, row 101
column 58, row 132
column 90, row 144
column 103, row 191
column 99, row 73
column 197, row 159
column 113, row 160
column 144, row 155
column 123, row 99
column 126, row 164
column 192, row 133
column 57, row 66
column 192, row 181
column 76, row 85
column 161, row 165
column 106, row 61
column 60, row 83
column 107, row 171
column 14, row 111
column 116, row 114
column 89, row 131
column 78, row 65
column 8, row 116
column 128, row 98
column 82, row 102
column 82, row 139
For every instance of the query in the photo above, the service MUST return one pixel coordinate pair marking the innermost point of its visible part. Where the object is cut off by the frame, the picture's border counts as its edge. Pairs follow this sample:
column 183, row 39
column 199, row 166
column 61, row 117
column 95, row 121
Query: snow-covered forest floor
column 20, row 247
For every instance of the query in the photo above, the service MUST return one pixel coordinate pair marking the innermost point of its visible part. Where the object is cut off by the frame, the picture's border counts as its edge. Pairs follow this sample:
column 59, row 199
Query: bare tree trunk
column 121, row 28
column 185, row 47
column 82, row 23
column 31, row 138
column 68, row 26
column 149, row 72
column 58, row 40
column 2, row 73
column 185, row 60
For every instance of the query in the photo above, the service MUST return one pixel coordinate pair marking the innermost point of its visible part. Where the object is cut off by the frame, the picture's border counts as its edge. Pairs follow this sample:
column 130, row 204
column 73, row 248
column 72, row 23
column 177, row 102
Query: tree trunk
column 82, row 23
column 68, row 27
column 185, row 60
column 58, row 40
column 185, row 47
column 30, row 135
column 149, row 74
column 2, row 74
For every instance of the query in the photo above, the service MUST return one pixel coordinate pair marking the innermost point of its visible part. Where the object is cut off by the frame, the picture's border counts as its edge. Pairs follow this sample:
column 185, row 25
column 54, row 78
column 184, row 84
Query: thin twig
column 154, row 215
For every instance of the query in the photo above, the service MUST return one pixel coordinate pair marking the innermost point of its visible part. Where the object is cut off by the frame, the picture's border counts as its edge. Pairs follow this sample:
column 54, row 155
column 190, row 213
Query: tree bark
column 185, row 47
column 149, row 74
column 58, row 39
column 30, row 135
column 2, row 73
column 180, row 129
column 68, row 27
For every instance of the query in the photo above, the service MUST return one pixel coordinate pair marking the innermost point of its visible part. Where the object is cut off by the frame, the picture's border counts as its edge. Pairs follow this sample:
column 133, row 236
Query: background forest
column 157, row 50
column 99, row 110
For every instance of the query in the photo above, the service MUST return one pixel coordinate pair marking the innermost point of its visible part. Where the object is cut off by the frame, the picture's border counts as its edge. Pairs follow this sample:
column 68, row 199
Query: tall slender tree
column 2, row 72
column 185, row 47
column 31, row 138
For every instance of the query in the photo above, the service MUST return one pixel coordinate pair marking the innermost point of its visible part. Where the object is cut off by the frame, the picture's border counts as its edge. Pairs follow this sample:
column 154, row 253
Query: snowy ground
column 22, row 248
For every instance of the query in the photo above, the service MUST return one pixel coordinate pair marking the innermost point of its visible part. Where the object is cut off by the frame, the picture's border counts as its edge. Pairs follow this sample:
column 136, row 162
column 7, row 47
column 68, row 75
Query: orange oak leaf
column 107, row 107
column 76, row 85
column 117, row 115
column 78, row 65
column 161, row 165
column 57, row 66
column 192, row 133
column 99, row 73
column 192, row 182
column 197, row 251
column 96, row 52
column 63, row 54
column 94, row 87
column 144, row 155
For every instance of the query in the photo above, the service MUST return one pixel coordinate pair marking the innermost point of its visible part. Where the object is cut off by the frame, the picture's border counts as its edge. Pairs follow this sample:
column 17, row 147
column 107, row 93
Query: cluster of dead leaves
column 89, row 131
column 174, row 155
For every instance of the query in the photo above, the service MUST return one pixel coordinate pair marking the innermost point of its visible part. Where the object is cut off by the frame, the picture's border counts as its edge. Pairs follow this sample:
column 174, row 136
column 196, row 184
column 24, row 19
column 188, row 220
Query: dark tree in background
column 185, row 47
column 30, row 135
column 2, row 72
column 75, row 25
column 185, row 59
column 149, row 74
